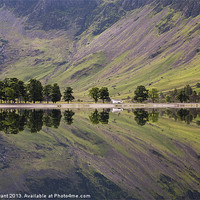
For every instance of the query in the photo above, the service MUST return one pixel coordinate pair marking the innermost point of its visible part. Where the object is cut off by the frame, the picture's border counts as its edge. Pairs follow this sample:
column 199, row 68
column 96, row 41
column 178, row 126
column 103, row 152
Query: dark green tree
column 22, row 90
column 104, row 94
column 182, row 97
column 47, row 92
column 188, row 90
column 26, row 94
column 9, row 94
column 94, row 93
column 14, row 84
column 173, row 95
column 168, row 98
column 1, row 91
column 35, row 90
column 68, row 116
column 153, row 94
column 194, row 97
column 198, row 85
column 55, row 93
column 141, row 94
column 68, row 94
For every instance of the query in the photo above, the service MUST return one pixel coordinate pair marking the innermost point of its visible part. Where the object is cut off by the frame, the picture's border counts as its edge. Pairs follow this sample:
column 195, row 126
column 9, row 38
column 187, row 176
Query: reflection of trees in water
column 97, row 117
column 153, row 116
column 184, row 115
column 11, row 122
column 14, row 121
column 187, row 115
column 142, row 116
column 53, row 118
column 34, row 121
column 68, row 116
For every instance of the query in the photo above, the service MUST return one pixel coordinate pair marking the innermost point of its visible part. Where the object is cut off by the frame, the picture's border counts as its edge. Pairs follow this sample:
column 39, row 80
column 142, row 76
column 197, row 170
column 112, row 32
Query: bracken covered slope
column 119, row 44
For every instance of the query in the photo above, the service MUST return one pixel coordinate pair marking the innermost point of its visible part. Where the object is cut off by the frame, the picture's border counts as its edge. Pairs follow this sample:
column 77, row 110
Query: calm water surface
column 100, row 154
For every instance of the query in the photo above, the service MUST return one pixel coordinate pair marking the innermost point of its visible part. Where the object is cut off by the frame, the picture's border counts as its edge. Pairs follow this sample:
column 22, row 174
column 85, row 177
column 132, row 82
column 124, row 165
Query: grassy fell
column 131, row 52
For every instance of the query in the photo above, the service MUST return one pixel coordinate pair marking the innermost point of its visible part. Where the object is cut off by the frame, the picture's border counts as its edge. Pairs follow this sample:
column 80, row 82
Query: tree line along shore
column 13, row 90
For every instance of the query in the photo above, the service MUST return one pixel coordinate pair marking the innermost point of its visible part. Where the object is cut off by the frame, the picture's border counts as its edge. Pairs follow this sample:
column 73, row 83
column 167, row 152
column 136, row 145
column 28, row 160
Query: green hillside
column 118, row 44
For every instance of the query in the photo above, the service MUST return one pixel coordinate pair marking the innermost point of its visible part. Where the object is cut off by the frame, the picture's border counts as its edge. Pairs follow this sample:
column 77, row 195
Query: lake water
column 100, row 154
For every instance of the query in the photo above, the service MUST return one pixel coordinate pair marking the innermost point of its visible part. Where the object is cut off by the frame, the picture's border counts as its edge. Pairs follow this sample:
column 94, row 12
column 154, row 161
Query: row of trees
column 13, row 88
column 186, row 94
column 96, row 94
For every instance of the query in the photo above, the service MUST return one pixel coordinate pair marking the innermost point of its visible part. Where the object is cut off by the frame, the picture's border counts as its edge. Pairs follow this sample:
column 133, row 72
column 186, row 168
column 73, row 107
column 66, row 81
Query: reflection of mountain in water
column 114, row 160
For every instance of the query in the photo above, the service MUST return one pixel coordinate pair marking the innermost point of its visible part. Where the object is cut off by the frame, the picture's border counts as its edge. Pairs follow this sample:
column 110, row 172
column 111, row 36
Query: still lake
column 100, row 154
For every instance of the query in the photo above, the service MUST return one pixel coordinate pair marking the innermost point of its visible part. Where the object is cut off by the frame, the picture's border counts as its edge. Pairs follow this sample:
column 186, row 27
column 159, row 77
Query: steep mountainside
column 114, row 43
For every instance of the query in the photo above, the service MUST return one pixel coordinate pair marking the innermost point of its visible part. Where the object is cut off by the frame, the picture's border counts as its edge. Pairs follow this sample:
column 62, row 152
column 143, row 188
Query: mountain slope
column 119, row 44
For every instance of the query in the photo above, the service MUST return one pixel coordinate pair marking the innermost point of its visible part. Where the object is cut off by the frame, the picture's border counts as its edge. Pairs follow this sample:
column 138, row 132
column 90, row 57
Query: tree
column 11, row 83
column 173, row 94
column 168, row 99
column 141, row 94
column 47, row 92
column 103, row 93
column 94, row 93
column 153, row 94
column 194, row 97
column 188, row 90
column 198, row 85
column 182, row 97
column 26, row 94
column 55, row 93
column 14, row 84
column 35, row 90
column 9, row 94
column 1, row 90
column 68, row 94
column 22, row 90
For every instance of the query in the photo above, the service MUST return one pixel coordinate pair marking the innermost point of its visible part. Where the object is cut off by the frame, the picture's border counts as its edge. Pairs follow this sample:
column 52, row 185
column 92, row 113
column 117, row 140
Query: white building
column 116, row 101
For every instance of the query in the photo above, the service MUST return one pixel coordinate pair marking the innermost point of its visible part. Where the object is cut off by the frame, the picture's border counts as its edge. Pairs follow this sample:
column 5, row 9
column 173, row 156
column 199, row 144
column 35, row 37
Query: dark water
column 100, row 154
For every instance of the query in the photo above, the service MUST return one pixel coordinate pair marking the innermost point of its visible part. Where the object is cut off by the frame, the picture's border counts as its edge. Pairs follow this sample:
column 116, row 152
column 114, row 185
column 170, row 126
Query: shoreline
column 96, row 105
